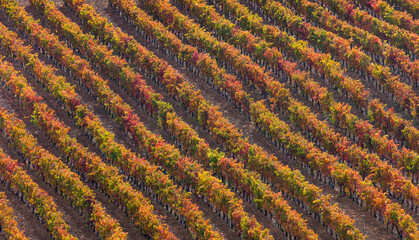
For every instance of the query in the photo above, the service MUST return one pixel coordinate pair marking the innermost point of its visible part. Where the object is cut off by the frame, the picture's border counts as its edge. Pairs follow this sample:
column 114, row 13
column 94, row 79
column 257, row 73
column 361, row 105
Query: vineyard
column 209, row 119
